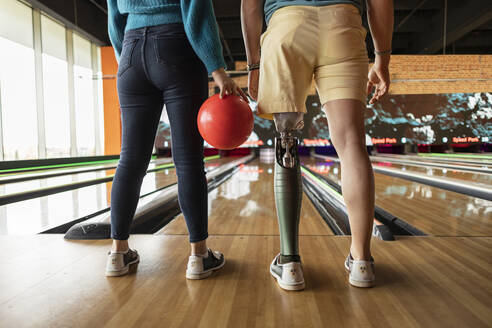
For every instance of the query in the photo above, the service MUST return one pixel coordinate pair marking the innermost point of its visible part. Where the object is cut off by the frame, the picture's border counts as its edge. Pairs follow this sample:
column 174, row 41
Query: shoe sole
column 299, row 286
column 123, row 271
column 205, row 274
column 361, row 284
column 358, row 283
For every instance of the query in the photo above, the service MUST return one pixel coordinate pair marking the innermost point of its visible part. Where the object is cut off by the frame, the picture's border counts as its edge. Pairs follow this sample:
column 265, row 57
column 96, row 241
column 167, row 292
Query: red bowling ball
column 225, row 123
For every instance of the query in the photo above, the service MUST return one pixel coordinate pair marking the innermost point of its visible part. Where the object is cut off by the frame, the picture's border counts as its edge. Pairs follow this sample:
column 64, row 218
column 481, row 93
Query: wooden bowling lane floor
column 421, row 282
column 433, row 210
column 483, row 179
column 245, row 205
column 475, row 161
column 39, row 214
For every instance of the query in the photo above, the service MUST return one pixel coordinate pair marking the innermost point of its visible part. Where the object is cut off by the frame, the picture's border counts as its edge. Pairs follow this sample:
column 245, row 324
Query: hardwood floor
column 421, row 282
column 432, row 210
column 46, row 281
column 245, row 205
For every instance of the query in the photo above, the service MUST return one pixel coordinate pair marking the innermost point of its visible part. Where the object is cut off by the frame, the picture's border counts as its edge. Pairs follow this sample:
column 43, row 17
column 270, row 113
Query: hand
column 379, row 79
column 227, row 85
column 253, row 78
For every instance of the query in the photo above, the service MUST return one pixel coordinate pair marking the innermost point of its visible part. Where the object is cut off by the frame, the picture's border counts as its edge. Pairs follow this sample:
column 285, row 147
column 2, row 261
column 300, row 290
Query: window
column 84, row 102
column 36, row 88
column 17, row 82
column 55, row 88
column 100, row 108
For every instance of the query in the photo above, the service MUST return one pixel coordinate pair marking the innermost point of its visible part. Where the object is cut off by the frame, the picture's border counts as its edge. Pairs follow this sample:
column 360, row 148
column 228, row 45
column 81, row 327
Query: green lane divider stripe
column 56, row 166
column 33, row 168
column 25, row 195
column 209, row 158
column 163, row 166
column 455, row 155
column 320, row 181
column 77, row 164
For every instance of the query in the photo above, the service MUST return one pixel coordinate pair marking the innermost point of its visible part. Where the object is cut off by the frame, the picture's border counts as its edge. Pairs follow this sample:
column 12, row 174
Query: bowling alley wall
column 433, row 100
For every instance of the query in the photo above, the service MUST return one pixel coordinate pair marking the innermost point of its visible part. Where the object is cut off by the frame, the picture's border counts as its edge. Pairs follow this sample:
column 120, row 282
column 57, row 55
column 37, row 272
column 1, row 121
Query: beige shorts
column 300, row 42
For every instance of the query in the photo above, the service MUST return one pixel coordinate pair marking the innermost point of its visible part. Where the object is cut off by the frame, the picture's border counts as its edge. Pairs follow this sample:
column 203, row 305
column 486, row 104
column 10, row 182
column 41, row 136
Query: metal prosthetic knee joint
column 286, row 145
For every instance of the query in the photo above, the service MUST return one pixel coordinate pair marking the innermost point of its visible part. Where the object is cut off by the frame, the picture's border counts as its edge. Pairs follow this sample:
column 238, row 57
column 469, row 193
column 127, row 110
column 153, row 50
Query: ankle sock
column 204, row 255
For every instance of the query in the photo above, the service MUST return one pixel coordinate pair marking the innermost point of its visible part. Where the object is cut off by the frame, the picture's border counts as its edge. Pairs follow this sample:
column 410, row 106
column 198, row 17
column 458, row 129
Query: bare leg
column 199, row 248
column 119, row 245
column 346, row 123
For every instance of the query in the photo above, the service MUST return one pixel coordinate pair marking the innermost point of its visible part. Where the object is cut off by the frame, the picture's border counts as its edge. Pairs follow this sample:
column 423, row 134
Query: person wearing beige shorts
column 324, row 40
column 305, row 41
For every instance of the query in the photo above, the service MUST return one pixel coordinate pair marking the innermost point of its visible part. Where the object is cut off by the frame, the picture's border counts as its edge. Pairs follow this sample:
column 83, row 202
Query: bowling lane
column 245, row 205
column 480, row 157
column 482, row 179
column 39, row 214
column 471, row 162
column 57, row 168
column 68, row 178
column 434, row 211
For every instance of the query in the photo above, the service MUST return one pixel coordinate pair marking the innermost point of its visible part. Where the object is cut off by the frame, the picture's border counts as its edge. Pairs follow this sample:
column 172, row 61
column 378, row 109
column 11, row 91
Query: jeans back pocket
column 172, row 50
column 126, row 55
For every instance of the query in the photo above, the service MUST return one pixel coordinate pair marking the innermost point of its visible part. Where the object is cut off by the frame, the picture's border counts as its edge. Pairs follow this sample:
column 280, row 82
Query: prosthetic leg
column 286, row 267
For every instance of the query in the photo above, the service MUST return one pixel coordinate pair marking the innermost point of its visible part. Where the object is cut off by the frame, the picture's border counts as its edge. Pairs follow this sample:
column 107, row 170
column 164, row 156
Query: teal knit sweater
column 197, row 17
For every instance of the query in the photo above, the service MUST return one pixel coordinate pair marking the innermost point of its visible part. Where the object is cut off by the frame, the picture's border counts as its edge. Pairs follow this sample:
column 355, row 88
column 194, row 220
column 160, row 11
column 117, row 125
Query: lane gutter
column 40, row 192
column 456, row 161
column 450, row 184
column 385, row 226
column 327, row 201
column 426, row 164
column 153, row 212
column 50, row 174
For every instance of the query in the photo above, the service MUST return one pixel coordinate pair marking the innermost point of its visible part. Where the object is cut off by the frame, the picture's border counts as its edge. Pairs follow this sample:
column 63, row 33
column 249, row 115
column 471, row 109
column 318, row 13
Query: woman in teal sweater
column 165, row 50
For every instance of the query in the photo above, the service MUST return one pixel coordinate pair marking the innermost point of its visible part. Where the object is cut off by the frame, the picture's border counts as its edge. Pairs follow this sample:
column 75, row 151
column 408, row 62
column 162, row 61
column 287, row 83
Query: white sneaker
column 119, row 263
column 361, row 273
column 200, row 267
column 289, row 275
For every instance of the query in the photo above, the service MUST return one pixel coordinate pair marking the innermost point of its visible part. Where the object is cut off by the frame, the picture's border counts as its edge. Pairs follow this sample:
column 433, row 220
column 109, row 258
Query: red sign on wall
column 465, row 139
column 383, row 141
column 316, row 142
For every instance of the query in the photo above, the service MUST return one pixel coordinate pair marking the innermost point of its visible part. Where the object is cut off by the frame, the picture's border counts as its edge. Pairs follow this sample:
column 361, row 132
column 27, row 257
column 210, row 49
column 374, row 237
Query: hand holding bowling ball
column 225, row 123
column 227, row 85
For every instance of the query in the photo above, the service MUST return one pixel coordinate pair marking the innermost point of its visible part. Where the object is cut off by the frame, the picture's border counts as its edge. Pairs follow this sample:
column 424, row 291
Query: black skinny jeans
column 158, row 66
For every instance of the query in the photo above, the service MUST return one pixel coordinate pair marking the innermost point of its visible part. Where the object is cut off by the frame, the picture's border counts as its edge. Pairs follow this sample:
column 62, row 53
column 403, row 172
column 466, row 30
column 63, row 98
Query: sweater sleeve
column 116, row 27
column 202, row 32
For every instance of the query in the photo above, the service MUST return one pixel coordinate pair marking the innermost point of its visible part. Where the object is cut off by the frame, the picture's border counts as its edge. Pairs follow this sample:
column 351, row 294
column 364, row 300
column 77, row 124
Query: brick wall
column 415, row 74
column 440, row 74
